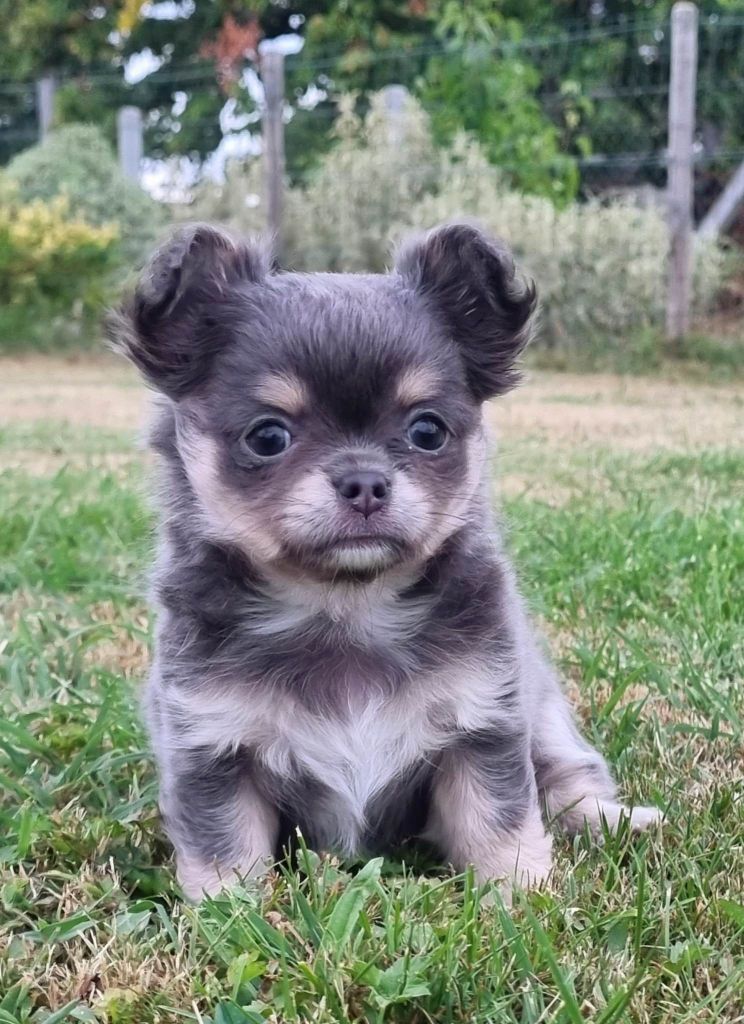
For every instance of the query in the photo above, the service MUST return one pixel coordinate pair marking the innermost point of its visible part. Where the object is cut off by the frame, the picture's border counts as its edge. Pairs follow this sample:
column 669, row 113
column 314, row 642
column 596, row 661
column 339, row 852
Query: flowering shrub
column 76, row 161
column 52, row 265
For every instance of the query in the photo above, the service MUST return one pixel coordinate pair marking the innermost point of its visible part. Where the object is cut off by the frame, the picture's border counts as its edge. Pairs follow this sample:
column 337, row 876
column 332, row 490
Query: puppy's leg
column 485, row 811
column 222, row 828
column 574, row 780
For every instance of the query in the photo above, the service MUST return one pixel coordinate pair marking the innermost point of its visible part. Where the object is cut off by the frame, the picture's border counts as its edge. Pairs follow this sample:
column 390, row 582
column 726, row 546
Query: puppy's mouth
column 361, row 556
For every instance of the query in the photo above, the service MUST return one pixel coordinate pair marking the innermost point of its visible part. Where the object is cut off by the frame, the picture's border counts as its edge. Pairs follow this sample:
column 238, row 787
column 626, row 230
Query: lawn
column 623, row 506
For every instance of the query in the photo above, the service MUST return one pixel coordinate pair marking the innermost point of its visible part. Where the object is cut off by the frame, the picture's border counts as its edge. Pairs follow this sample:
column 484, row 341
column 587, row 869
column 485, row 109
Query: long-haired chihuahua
column 341, row 645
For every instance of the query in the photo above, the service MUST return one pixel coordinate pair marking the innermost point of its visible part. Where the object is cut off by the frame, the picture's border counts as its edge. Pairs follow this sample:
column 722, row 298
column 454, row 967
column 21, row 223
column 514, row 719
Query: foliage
column 540, row 85
column 52, row 265
column 76, row 161
column 497, row 102
column 649, row 634
column 384, row 173
column 600, row 267
column 40, row 35
column 374, row 174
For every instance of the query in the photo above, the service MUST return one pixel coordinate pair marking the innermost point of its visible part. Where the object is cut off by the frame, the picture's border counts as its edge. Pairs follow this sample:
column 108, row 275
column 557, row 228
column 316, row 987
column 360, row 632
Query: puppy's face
column 330, row 425
column 341, row 438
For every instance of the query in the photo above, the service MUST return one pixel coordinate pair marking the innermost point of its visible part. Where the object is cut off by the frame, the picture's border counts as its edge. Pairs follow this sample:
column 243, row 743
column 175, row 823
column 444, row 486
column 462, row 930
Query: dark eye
column 427, row 433
column 267, row 439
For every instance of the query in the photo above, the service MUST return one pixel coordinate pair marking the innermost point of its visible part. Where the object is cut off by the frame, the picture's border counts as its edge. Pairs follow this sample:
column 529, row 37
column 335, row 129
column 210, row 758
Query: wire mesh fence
column 612, row 78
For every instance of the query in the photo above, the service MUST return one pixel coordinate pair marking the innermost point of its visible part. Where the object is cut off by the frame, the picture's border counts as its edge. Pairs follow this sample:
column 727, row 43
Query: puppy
column 341, row 646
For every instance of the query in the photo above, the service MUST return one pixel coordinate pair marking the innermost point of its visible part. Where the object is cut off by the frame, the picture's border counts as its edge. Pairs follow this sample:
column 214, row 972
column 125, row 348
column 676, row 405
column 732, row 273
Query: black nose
column 365, row 490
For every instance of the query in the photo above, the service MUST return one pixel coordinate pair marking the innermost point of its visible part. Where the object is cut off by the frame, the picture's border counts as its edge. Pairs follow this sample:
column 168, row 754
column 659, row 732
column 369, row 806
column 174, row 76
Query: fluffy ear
column 170, row 327
column 470, row 281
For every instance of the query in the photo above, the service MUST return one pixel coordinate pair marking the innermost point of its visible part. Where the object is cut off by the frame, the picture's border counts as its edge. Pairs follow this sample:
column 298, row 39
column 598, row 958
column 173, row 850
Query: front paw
column 199, row 878
column 522, row 857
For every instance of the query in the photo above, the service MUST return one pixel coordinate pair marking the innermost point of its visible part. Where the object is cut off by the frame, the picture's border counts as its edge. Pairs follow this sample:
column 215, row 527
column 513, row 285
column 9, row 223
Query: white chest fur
column 355, row 752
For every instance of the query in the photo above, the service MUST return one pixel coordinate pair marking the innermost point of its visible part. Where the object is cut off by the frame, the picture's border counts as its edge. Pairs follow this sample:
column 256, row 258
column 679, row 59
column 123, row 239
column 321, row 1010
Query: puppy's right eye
column 267, row 439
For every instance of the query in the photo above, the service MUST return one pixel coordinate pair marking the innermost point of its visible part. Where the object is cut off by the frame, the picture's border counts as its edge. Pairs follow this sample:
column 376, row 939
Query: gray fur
column 368, row 680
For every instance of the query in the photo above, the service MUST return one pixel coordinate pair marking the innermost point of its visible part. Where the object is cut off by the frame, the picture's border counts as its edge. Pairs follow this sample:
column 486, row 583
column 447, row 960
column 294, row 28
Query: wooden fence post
column 680, row 167
column 129, row 140
column 45, row 90
column 272, row 76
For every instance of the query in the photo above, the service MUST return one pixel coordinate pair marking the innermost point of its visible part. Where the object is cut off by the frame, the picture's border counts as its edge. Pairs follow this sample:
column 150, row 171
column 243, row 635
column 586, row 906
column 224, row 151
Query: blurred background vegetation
column 546, row 120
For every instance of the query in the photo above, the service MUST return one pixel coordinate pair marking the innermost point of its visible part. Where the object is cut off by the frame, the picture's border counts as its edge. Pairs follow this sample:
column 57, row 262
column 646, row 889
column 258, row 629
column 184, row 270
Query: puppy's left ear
column 470, row 281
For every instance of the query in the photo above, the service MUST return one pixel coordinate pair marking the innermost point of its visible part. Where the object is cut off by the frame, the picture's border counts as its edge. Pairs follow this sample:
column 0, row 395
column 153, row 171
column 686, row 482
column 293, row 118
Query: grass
column 624, row 512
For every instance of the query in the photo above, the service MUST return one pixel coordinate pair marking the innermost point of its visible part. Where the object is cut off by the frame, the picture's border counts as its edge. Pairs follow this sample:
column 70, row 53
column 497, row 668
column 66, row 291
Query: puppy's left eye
column 267, row 439
column 427, row 433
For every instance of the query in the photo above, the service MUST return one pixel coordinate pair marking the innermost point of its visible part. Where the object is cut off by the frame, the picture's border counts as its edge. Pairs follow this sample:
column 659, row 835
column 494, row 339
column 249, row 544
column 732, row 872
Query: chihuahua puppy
column 341, row 645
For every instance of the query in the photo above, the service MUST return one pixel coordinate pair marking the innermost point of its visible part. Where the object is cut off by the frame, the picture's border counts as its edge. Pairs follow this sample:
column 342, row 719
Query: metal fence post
column 680, row 167
column 45, row 89
column 130, row 141
column 272, row 76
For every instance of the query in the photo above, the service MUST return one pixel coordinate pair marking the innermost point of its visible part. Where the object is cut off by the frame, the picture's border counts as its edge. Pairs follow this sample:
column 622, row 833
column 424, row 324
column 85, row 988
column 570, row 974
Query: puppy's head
column 329, row 425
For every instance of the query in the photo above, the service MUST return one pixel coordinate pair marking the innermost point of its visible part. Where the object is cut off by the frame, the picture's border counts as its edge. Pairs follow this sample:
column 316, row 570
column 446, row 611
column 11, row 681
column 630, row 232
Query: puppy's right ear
column 170, row 327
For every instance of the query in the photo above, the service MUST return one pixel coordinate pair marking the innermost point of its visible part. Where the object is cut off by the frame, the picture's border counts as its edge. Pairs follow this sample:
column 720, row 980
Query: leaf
column 345, row 914
column 401, row 981
column 62, row 1013
column 26, row 825
column 733, row 911
column 242, row 970
column 62, row 931
column 229, row 1013
column 685, row 955
column 309, row 917
column 14, row 999
column 131, row 921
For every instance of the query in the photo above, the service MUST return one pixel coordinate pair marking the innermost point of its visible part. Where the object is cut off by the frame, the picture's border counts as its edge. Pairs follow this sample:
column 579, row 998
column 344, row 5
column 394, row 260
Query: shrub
column 600, row 266
column 53, row 266
column 76, row 161
column 377, row 172
column 497, row 100
column 342, row 219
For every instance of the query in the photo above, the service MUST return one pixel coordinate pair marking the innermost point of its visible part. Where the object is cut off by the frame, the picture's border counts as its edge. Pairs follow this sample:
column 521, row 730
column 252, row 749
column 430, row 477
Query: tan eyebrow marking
column 285, row 391
column 416, row 383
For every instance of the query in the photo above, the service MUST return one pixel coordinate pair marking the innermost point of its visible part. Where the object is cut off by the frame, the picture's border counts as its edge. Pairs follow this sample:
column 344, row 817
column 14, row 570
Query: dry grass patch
column 91, row 391
column 626, row 414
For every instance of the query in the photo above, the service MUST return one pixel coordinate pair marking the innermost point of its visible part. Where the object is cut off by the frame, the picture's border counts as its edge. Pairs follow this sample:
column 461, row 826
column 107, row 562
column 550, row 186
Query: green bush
column 600, row 266
column 76, row 161
column 362, row 188
column 54, row 269
column 497, row 102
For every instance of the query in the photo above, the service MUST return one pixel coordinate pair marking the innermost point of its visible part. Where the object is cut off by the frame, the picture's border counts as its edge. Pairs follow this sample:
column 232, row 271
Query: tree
column 542, row 84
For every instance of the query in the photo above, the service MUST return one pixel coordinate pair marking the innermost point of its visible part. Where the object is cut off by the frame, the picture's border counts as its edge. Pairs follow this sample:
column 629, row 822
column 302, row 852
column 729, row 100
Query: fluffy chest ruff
column 343, row 703
column 354, row 776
